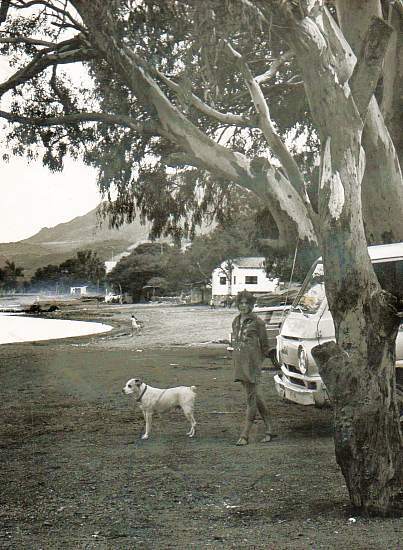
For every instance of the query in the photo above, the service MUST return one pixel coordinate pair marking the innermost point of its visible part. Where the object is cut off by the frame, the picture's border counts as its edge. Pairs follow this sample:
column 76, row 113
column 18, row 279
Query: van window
column 390, row 277
column 312, row 293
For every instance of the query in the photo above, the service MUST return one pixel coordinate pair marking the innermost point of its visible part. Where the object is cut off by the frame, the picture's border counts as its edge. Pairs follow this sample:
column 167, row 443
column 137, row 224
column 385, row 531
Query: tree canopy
column 198, row 104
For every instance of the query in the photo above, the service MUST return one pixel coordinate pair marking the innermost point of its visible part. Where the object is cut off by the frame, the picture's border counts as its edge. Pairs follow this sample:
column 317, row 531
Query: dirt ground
column 74, row 473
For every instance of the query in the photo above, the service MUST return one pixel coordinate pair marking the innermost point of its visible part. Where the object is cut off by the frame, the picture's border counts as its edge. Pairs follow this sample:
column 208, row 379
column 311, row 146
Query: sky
column 32, row 197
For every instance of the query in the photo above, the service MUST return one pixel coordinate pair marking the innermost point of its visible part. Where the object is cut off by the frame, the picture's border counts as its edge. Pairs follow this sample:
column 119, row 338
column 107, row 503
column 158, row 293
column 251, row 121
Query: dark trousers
column 254, row 404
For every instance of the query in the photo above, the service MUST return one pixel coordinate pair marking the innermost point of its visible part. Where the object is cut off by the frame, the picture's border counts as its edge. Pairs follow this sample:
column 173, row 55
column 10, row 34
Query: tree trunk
column 382, row 189
column 361, row 383
column 359, row 369
column 392, row 97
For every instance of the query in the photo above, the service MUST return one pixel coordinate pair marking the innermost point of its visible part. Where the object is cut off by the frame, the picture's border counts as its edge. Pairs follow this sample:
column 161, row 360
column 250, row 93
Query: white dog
column 154, row 399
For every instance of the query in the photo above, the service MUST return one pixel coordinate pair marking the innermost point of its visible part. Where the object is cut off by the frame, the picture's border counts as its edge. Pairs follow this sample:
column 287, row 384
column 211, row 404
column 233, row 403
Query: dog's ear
column 138, row 382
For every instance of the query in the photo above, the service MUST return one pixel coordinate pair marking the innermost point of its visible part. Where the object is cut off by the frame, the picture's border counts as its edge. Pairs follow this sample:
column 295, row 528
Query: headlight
column 302, row 360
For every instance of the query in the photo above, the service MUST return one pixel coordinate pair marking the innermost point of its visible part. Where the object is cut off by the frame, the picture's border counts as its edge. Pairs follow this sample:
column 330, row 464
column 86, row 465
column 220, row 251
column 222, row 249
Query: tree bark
column 382, row 188
column 392, row 98
column 359, row 371
column 368, row 442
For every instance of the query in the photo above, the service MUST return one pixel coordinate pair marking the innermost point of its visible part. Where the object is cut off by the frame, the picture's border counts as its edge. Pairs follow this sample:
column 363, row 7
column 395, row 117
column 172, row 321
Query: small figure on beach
column 212, row 303
column 251, row 346
column 136, row 325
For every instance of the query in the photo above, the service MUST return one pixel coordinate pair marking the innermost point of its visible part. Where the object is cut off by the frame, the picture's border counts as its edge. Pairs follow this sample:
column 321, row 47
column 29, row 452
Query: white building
column 238, row 274
column 78, row 290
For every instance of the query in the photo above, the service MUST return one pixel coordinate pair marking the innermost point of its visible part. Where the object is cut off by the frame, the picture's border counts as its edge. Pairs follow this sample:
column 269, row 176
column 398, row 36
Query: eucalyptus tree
column 9, row 275
column 185, row 103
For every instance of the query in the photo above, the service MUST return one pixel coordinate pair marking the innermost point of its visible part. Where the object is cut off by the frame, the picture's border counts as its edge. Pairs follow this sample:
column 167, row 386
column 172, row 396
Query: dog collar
column 142, row 393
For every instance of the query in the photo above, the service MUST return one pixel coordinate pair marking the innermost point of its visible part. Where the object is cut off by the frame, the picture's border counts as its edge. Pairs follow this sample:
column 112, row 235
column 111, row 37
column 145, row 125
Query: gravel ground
column 75, row 474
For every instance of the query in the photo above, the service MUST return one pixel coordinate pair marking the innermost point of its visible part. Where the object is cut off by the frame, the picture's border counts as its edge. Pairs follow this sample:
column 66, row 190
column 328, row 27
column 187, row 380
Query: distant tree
column 133, row 272
column 9, row 275
column 292, row 267
column 85, row 268
column 179, row 270
column 46, row 277
column 234, row 239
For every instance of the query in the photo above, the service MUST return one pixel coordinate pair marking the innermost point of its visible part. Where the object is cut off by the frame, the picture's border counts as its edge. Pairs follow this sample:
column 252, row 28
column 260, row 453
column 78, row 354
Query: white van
column 310, row 323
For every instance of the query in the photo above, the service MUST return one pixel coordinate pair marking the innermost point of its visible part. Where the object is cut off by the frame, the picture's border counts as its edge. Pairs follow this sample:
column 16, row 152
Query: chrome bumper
column 299, row 392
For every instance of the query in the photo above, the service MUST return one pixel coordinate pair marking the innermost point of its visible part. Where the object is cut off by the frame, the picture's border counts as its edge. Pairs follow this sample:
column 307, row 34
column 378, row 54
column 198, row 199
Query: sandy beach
column 76, row 475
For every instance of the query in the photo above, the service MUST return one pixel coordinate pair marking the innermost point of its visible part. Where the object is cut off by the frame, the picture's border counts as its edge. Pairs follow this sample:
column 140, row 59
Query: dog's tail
column 193, row 388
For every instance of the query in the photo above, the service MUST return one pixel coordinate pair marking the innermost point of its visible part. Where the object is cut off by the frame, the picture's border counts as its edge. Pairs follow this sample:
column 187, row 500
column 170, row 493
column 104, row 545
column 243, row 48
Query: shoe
column 268, row 438
column 241, row 442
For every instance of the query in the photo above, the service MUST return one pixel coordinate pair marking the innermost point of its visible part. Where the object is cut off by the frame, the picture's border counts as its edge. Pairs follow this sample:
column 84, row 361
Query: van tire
column 273, row 358
column 320, row 401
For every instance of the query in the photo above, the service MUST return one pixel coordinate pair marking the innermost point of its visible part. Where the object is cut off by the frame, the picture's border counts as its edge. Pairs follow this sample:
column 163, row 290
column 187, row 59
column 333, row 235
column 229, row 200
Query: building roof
column 250, row 261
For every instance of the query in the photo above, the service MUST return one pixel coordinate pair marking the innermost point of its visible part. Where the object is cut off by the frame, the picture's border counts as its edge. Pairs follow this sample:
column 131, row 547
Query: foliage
column 9, row 276
column 173, row 270
column 170, row 37
column 135, row 271
column 86, row 268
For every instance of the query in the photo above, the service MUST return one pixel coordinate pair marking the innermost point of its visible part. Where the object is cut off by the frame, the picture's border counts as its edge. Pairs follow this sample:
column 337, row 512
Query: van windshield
column 390, row 277
column 312, row 293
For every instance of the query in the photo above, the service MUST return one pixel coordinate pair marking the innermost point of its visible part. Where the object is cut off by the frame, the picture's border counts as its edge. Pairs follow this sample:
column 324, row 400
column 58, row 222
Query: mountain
column 56, row 244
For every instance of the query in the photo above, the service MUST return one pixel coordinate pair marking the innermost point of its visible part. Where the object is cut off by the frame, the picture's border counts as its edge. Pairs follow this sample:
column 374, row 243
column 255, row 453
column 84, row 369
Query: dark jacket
column 251, row 346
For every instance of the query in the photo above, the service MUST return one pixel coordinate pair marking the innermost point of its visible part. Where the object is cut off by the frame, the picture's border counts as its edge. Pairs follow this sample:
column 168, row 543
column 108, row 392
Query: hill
column 56, row 244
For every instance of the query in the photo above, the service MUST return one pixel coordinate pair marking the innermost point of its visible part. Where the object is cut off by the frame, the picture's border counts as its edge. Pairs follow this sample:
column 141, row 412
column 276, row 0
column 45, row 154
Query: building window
column 234, row 280
column 251, row 280
column 223, row 280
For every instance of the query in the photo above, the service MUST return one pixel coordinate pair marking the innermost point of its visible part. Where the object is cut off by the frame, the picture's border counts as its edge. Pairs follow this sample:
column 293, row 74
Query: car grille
column 297, row 381
column 293, row 368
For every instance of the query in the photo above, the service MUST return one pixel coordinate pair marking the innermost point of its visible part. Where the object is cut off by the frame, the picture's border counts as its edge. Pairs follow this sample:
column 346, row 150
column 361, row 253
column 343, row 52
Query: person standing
column 251, row 346
column 136, row 326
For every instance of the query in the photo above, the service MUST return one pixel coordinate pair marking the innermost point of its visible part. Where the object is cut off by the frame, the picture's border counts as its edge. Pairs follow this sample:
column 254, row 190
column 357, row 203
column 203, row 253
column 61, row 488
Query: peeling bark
column 370, row 463
column 382, row 188
column 359, row 369
column 369, row 63
column 392, row 99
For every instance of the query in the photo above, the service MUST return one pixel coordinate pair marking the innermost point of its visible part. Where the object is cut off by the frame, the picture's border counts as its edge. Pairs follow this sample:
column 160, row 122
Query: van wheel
column 273, row 358
column 320, row 401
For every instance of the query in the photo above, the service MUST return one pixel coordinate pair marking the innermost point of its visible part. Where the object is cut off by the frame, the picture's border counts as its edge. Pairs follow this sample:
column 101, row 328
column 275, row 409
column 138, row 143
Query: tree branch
column 66, row 52
column 225, row 118
column 369, row 64
column 283, row 199
column 274, row 68
column 63, row 13
column 27, row 40
column 61, row 93
column 339, row 46
column 4, row 7
column 82, row 117
column 266, row 125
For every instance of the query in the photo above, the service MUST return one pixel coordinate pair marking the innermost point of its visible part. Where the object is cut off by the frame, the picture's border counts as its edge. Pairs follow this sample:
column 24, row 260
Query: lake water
column 15, row 328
